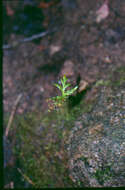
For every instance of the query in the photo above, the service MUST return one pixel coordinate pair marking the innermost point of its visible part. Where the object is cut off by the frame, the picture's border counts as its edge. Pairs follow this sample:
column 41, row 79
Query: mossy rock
column 96, row 145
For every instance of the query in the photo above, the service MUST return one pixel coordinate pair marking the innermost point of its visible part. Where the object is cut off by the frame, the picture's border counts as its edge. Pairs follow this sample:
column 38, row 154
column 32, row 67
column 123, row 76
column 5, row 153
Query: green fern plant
column 58, row 101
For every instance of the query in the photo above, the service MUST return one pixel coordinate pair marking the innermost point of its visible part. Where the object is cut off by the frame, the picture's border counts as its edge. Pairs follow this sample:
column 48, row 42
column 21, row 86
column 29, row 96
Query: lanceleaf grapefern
column 58, row 101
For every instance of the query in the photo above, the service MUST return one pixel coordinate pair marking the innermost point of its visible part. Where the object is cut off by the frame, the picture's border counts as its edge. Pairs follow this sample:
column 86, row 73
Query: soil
column 80, row 48
column 94, row 49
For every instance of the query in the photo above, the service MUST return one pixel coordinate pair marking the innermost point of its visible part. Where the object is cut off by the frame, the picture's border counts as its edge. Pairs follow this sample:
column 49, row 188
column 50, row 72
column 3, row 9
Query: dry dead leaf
column 77, row 156
column 102, row 12
column 107, row 59
column 41, row 47
column 10, row 11
column 82, row 86
column 96, row 129
column 71, row 177
column 54, row 49
column 45, row 5
column 59, row 155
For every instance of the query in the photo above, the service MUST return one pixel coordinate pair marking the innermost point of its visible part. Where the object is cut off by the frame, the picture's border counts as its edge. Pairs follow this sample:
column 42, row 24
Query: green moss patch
column 40, row 146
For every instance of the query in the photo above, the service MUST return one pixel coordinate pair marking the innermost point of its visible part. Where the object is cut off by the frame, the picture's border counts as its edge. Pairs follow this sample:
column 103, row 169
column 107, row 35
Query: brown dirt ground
column 94, row 50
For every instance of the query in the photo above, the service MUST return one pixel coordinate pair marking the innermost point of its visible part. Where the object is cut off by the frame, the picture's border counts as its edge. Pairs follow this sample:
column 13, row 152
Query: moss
column 103, row 174
column 102, row 83
column 115, row 79
column 118, row 77
column 40, row 144
column 36, row 156
column 42, row 155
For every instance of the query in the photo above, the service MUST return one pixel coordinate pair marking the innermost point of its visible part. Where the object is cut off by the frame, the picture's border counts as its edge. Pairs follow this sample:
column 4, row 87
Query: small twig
column 25, row 177
column 35, row 36
column 15, row 43
column 12, row 114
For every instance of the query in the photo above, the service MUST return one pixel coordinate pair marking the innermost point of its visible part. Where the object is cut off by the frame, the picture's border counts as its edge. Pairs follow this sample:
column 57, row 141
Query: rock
column 68, row 68
column 97, row 149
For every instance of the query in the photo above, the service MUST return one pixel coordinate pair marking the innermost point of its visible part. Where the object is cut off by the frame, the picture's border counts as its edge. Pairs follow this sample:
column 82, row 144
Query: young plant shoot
column 58, row 101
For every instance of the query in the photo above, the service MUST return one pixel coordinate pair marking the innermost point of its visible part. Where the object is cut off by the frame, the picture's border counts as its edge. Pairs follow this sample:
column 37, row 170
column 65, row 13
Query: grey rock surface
column 96, row 146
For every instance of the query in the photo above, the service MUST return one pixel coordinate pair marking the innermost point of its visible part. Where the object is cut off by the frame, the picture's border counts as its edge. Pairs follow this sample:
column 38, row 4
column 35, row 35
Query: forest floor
column 79, row 47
